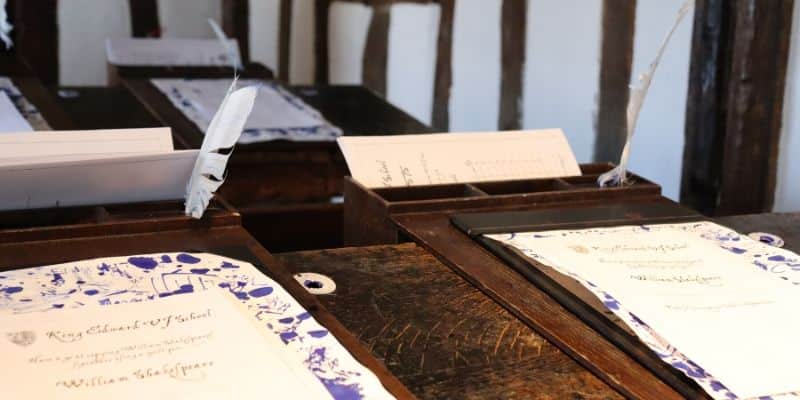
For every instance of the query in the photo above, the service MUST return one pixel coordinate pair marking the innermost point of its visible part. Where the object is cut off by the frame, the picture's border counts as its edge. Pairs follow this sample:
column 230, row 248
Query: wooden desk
column 438, row 334
column 283, row 189
column 30, row 87
column 444, row 338
column 169, row 231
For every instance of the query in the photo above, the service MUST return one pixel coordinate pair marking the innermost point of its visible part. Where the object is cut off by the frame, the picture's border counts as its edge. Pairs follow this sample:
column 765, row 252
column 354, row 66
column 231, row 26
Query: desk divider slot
column 522, row 186
column 429, row 192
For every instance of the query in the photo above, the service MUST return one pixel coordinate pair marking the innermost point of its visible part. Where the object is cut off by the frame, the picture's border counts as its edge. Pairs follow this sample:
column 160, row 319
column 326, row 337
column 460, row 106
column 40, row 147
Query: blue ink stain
column 342, row 391
column 2, row 277
column 777, row 258
column 79, row 282
column 58, row 306
column 181, row 290
column 13, row 289
column 260, row 292
column 57, row 279
column 200, row 271
column 72, row 291
column 224, row 285
column 241, row 284
column 318, row 334
column 303, row 316
column 104, row 268
column 105, row 302
column 287, row 336
column 145, row 263
column 286, row 320
column 25, row 300
column 241, row 295
column 91, row 292
column 736, row 250
column 226, row 264
column 187, row 258
column 311, row 284
column 165, row 259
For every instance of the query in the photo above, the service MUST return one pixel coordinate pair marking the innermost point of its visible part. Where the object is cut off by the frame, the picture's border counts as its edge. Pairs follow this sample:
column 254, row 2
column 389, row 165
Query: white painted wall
column 82, row 51
column 657, row 149
column 347, row 36
column 787, row 190
column 413, row 35
column 264, row 32
column 475, row 94
column 188, row 19
column 562, row 70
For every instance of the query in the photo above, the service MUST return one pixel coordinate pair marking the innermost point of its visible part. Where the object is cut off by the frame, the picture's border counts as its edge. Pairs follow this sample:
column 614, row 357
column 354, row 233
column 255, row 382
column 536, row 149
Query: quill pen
column 222, row 134
column 5, row 26
column 226, row 44
column 636, row 96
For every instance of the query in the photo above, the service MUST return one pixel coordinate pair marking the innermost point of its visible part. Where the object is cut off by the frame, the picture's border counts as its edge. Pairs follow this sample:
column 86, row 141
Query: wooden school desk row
column 427, row 304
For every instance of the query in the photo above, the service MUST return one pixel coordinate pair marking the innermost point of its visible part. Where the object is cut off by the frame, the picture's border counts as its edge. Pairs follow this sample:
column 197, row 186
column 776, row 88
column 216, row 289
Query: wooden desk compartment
column 367, row 211
column 71, row 222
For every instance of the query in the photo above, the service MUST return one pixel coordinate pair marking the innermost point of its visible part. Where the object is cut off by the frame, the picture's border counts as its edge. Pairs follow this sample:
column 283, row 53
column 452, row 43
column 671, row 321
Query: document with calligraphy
column 410, row 160
column 44, row 292
column 199, row 346
column 714, row 304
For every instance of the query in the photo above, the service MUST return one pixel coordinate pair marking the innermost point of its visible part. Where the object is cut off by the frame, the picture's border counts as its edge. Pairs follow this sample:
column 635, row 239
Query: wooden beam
column 36, row 36
column 514, row 17
column 144, row 18
column 285, row 40
column 735, row 105
column 236, row 24
column 616, row 58
column 376, row 49
column 444, row 70
column 322, row 10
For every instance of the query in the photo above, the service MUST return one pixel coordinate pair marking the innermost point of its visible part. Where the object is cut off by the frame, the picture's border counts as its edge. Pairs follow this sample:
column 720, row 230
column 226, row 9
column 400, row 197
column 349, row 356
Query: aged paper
column 694, row 286
column 198, row 346
column 410, row 160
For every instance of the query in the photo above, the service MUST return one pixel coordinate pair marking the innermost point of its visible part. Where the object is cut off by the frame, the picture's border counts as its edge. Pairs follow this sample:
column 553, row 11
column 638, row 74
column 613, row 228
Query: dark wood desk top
column 103, row 108
column 443, row 338
column 30, row 87
column 438, row 334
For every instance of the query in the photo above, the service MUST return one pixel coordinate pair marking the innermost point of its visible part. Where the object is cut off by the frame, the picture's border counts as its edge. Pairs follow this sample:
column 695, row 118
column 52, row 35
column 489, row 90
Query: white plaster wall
column 475, row 93
column 82, row 34
column 347, row 36
column 264, row 32
column 188, row 19
column 657, row 149
column 787, row 190
column 413, row 35
column 301, row 57
column 562, row 69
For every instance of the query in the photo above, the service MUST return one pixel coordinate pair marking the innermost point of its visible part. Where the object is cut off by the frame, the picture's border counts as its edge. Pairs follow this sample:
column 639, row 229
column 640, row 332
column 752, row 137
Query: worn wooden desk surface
column 443, row 338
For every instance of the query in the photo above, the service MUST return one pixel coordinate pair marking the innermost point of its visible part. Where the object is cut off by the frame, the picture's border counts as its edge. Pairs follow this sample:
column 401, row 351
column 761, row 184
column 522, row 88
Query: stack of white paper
column 10, row 118
column 73, row 168
column 170, row 52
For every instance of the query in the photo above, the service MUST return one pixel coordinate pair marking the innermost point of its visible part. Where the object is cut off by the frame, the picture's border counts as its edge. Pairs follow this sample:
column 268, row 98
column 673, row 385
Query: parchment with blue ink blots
column 150, row 277
column 782, row 263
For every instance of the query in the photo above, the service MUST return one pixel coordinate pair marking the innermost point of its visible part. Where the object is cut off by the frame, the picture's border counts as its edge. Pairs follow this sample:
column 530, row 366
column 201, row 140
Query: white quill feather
column 222, row 134
column 636, row 96
column 226, row 44
column 5, row 26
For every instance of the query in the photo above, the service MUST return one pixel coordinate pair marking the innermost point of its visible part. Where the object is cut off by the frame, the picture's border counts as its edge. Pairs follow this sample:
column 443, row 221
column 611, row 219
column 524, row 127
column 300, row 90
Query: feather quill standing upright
column 636, row 96
column 222, row 134
column 5, row 26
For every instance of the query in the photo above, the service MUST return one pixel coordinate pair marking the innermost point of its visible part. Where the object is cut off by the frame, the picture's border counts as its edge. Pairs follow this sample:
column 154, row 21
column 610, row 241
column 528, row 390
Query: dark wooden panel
column 322, row 10
column 785, row 225
column 36, row 36
column 376, row 49
column 616, row 58
column 236, row 24
column 103, row 108
column 444, row 68
column 735, row 105
column 514, row 21
column 144, row 18
column 454, row 342
column 285, row 40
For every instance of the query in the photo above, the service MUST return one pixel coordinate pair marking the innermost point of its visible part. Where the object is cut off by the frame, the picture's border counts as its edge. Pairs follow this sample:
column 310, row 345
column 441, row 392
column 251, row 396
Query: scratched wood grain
column 438, row 334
